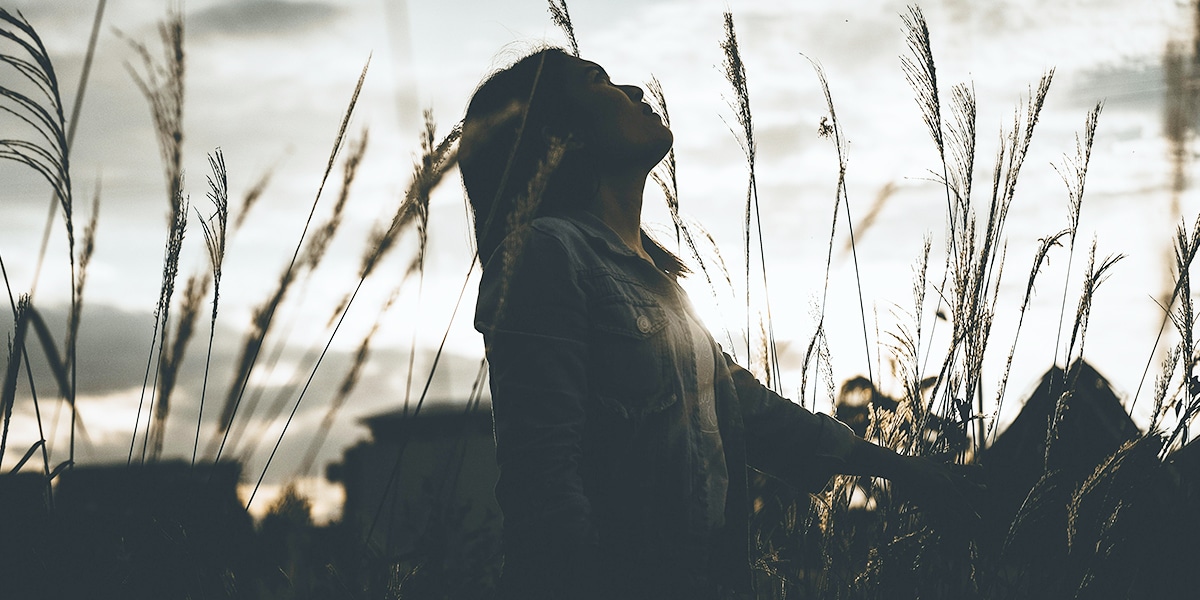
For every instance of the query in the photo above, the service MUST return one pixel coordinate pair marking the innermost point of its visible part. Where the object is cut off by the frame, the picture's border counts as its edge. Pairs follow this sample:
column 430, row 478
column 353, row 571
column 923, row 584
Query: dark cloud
column 113, row 349
column 261, row 17
column 114, row 345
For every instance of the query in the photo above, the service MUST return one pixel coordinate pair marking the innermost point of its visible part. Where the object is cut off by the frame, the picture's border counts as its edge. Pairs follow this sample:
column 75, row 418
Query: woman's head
column 520, row 113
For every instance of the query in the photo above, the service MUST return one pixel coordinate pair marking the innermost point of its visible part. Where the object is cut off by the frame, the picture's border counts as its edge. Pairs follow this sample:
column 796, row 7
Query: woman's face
column 618, row 128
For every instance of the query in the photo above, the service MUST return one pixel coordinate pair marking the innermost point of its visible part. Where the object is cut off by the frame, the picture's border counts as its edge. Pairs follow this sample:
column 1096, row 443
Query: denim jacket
column 589, row 349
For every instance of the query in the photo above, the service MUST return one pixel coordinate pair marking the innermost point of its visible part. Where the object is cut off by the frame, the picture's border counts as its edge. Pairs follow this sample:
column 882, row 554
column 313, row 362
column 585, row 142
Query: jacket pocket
column 631, row 356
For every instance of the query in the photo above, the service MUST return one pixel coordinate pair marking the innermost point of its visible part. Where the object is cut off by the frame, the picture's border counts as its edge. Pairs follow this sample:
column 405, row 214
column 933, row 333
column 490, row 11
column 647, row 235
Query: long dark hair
column 522, row 154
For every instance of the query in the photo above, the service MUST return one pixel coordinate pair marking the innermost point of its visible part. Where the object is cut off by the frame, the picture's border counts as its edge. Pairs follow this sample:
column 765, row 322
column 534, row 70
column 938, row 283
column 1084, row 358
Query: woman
column 623, row 433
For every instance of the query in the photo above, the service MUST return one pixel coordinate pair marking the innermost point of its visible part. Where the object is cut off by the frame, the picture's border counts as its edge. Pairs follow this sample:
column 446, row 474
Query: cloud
column 1133, row 85
column 261, row 17
column 113, row 347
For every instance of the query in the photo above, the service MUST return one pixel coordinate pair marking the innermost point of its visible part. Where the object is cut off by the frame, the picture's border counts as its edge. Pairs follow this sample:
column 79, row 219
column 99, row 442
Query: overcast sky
column 268, row 81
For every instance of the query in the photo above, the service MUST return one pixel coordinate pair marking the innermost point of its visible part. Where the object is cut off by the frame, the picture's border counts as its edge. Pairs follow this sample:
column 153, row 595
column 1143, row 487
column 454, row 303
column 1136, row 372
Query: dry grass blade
column 84, row 76
column 831, row 127
column 16, row 350
column 1074, row 175
column 868, row 220
column 42, row 112
column 1036, row 512
column 1162, row 385
column 907, row 347
column 435, row 161
column 166, row 294
column 28, row 453
column 1095, row 275
column 1074, row 169
column 318, row 243
column 265, row 313
column 86, row 250
column 161, row 82
column 345, row 388
column 59, row 370
column 48, row 153
column 921, row 73
column 523, row 212
column 735, row 73
column 170, row 361
column 961, row 135
column 251, row 197
column 310, row 259
column 1186, row 248
column 562, row 19
column 665, row 175
column 29, row 373
column 54, row 360
column 214, row 229
column 1044, row 246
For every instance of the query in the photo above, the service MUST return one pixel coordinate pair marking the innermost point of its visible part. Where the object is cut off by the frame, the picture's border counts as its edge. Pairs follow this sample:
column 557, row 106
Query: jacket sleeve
column 533, row 316
column 787, row 441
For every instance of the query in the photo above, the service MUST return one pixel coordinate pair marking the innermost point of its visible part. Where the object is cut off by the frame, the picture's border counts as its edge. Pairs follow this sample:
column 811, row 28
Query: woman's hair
column 522, row 152
column 512, row 124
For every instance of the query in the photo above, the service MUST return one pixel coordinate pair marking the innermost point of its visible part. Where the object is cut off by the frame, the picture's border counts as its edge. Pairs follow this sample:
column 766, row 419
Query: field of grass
column 1113, row 519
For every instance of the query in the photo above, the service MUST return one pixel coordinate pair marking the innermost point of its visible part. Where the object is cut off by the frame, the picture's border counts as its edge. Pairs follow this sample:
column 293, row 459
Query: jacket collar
column 596, row 229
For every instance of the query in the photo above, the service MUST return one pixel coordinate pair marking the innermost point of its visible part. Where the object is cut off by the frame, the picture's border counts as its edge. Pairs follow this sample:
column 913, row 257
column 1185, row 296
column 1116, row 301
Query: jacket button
column 643, row 324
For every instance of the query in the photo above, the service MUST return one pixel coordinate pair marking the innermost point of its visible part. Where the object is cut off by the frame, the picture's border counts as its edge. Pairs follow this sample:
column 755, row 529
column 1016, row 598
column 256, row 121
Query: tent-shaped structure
column 1090, row 426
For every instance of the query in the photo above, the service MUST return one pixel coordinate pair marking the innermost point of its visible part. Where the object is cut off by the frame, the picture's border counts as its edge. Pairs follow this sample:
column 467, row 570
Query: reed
column 265, row 313
column 310, row 259
column 161, row 82
column 214, row 229
column 974, row 261
column 735, row 74
column 170, row 272
column 436, row 159
column 46, row 149
column 830, row 127
column 561, row 17
column 170, row 361
column 666, row 177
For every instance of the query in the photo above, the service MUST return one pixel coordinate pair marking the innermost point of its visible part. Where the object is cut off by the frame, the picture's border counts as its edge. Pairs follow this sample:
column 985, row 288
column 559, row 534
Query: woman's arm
column 787, row 441
column 807, row 448
column 533, row 317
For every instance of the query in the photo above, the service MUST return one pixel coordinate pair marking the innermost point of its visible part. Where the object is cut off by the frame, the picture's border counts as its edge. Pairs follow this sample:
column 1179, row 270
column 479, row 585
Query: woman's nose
column 634, row 92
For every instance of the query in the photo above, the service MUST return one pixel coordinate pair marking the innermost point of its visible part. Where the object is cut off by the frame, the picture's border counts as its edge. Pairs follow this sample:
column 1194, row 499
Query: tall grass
column 214, row 229
column 46, row 151
column 735, row 74
column 161, row 82
column 264, row 315
column 818, row 350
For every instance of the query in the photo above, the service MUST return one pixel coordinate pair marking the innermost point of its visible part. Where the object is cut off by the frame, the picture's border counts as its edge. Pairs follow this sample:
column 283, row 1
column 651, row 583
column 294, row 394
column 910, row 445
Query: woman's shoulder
column 563, row 228
column 561, row 231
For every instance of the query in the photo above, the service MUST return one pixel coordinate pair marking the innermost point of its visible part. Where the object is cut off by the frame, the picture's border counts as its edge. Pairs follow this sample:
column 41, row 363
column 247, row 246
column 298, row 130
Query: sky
column 268, row 81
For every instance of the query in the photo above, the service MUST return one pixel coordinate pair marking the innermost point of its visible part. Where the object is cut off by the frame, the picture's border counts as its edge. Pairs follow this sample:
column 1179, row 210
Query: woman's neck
column 618, row 203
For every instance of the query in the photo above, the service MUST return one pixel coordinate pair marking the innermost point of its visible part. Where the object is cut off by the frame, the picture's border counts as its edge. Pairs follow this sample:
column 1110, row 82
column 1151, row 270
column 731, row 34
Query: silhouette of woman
column 623, row 433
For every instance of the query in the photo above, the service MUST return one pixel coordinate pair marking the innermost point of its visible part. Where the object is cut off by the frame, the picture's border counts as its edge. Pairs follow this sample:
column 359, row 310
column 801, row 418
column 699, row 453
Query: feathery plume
column 562, row 19
column 265, row 313
column 214, row 229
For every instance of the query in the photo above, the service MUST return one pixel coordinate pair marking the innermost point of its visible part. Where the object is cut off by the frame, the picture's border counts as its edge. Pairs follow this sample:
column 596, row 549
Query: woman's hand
column 945, row 494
